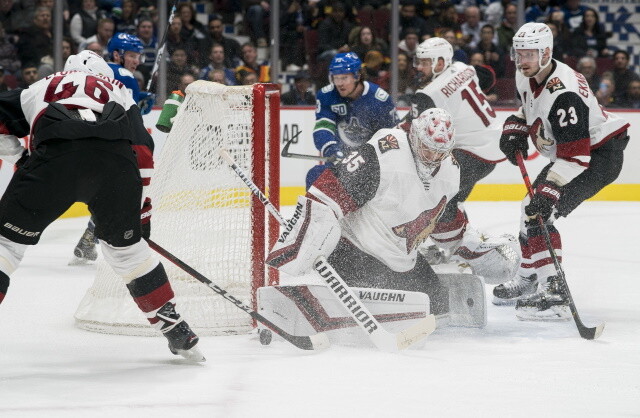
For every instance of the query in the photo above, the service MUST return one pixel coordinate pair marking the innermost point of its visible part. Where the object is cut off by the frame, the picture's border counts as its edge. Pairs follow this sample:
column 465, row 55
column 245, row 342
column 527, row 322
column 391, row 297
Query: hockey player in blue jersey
column 348, row 111
column 125, row 53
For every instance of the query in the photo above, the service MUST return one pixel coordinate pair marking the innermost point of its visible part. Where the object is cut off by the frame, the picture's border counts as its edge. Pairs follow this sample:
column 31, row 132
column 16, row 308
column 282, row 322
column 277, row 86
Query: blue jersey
column 126, row 77
column 351, row 123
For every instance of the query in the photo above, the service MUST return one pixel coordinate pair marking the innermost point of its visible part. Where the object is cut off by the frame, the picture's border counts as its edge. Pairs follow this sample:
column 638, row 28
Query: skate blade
column 551, row 316
column 194, row 354
column 504, row 302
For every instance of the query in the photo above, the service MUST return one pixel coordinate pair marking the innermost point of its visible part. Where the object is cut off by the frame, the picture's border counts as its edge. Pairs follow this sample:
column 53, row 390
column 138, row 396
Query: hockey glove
column 334, row 153
column 544, row 199
column 515, row 133
column 146, row 102
column 145, row 219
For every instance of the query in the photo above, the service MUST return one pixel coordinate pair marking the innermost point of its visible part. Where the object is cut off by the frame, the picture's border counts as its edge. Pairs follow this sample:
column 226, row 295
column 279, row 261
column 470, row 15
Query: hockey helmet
column 88, row 62
column 345, row 63
column 123, row 42
column 431, row 137
column 533, row 35
column 435, row 48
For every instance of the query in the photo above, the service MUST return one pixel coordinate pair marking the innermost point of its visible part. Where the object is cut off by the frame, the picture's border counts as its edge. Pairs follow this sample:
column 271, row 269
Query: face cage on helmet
column 516, row 59
column 433, row 67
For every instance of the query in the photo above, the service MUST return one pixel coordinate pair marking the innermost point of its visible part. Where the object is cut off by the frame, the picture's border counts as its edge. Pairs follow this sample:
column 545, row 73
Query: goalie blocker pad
column 308, row 309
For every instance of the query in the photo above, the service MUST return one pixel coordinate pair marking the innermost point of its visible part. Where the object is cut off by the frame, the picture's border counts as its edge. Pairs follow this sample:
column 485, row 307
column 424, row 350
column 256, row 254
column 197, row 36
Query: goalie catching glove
column 311, row 232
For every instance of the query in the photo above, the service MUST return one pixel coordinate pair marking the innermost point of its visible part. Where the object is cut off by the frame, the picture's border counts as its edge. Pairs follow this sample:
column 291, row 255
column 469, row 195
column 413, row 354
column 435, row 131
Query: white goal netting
column 202, row 213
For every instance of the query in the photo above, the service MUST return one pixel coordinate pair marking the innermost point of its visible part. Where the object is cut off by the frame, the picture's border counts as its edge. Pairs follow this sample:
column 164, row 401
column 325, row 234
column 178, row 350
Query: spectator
column 149, row 41
column 12, row 16
column 3, row 86
column 37, row 40
column 294, row 17
column 406, row 76
column 374, row 70
column 96, row 47
column 126, row 22
column 8, row 53
column 622, row 74
column 246, row 77
column 105, row 32
column 538, row 11
column 218, row 76
column 257, row 14
column 631, row 99
column 410, row 43
column 84, row 24
column 175, row 40
column 365, row 41
column 590, row 38
column 587, row 67
column 507, row 28
column 459, row 54
column 494, row 13
column 605, row 93
column 560, row 40
column 333, row 33
column 471, row 27
column 177, row 67
column 299, row 94
column 573, row 13
column 191, row 28
column 477, row 59
column 185, row 80
column 46, row 63
column 493, row 56
column 250, row 64
column 447, row 18
column 216, row 62
column 410, row 20
column 232, row 49
column 28, row 74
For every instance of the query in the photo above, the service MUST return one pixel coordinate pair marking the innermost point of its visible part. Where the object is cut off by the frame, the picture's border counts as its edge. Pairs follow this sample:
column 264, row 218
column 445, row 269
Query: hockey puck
column 265, row 336
column 470, row 302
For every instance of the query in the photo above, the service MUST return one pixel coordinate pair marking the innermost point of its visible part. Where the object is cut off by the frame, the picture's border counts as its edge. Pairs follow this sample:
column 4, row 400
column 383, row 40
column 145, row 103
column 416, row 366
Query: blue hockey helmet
column 345, row 63
column 122, row 42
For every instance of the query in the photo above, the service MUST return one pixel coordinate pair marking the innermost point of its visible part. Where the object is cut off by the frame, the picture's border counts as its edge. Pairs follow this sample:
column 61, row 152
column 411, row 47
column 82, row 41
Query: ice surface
column 49, row 368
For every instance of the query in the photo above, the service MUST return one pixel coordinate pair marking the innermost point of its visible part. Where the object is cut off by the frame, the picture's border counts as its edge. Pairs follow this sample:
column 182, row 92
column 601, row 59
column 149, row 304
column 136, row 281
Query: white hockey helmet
column 533, row 35
column 88, row 62
column 435, row 48
column 431, row 137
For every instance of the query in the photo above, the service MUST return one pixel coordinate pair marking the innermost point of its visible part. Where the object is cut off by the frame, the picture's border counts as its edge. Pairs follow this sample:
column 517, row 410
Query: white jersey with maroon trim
column 565, row 119
column 384, row 208
column 458, row 91
column 73, row 89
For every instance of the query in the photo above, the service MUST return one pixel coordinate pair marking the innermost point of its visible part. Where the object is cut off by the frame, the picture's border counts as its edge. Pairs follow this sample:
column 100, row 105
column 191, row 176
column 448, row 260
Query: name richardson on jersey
column 457, row 81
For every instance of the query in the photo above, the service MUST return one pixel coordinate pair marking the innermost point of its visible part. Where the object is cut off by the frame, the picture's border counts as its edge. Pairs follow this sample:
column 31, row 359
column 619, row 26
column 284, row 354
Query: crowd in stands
column 311, row 33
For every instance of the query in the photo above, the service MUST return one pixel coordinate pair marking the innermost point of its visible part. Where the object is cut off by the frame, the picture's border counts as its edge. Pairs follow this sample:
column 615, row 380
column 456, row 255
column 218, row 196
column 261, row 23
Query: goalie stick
column 585, row 332
column 381, row 338
column 314, row 342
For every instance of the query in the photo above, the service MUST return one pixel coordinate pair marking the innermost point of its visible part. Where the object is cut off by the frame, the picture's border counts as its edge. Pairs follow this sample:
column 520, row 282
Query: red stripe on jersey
column 538, row 244
column 143, row 155
column 611, row 136
column 329, row 184
column 459, row 222
column 1, row 297
column 568, row 150
column 540, row 263
column 156, row 299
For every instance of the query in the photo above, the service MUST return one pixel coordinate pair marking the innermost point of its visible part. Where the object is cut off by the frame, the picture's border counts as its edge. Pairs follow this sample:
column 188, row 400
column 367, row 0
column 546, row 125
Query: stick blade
column 591, row 333
column 320, row 341
column 416, row 332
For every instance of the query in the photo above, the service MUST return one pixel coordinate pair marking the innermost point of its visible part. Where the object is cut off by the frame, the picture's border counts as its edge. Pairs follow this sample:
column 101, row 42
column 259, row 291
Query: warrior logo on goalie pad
column 418, row 230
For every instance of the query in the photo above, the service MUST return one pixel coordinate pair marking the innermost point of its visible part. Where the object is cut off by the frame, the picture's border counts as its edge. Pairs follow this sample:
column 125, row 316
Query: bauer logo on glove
column 311, row 232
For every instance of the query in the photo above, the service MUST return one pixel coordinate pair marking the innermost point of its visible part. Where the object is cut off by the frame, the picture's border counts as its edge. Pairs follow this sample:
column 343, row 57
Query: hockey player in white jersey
column 82, row 124
column 458, row 88
column 584, row 144
column 371, row 211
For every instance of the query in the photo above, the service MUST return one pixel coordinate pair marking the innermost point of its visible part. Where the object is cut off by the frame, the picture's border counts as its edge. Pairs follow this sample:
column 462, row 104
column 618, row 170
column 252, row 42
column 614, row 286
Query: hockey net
column 204, row 214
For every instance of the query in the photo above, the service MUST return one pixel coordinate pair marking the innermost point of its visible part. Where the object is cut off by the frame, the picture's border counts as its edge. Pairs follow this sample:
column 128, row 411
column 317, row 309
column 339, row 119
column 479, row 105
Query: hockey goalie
column 369, row 213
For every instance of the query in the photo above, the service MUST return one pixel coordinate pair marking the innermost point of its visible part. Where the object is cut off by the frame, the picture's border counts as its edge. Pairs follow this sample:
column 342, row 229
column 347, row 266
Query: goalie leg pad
column 313, row 231
column 467, row 301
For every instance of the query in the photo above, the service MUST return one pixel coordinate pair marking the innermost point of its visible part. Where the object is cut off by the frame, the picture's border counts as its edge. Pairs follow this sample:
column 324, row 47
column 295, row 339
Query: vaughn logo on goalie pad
column 292, row 222
column 383, row 296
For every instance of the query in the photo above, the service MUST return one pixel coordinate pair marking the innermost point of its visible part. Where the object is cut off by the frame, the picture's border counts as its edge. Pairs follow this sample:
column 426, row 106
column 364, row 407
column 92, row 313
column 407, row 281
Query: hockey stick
column 285, row 153
column 314, row 342
column 585, row 332
column 151, row 83
column 380, row 337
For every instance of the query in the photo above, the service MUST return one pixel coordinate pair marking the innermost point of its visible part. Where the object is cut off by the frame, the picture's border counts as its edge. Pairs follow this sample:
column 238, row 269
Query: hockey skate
column 550, row 303
column 85, row 250
column 509, row 292
column 182, row 340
